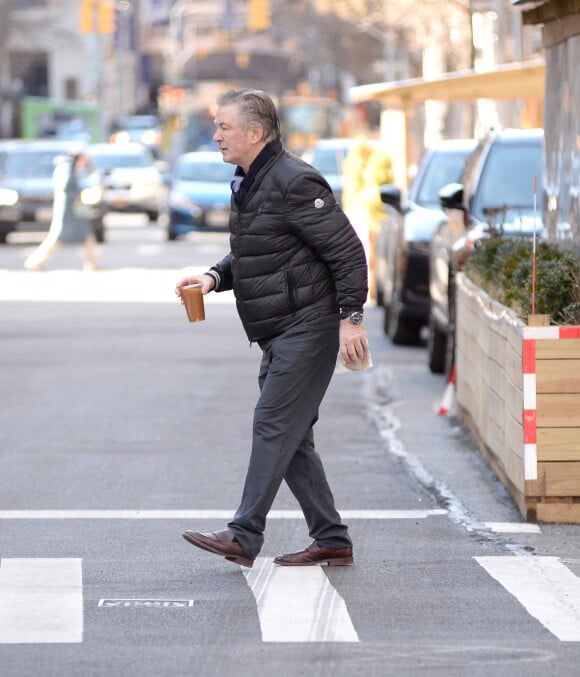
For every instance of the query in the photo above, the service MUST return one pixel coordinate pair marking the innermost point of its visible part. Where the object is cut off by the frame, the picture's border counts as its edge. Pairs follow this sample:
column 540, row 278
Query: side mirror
column 391, row 195
column 451, row 196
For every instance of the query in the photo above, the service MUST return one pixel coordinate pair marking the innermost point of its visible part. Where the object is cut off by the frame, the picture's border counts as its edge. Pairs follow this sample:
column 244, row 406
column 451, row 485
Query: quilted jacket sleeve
column 224, row 270
column 312, row 212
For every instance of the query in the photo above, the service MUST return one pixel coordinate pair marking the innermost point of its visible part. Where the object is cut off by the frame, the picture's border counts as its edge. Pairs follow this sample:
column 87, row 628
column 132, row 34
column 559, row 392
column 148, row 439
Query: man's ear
column 257, row 134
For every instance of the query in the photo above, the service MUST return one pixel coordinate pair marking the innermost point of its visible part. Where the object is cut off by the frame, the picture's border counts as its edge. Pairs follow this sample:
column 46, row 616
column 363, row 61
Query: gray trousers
column 295, row 372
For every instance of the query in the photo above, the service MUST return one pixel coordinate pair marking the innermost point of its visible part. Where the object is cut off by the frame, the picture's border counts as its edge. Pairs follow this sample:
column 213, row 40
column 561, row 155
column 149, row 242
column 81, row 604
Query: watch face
column 355, row 318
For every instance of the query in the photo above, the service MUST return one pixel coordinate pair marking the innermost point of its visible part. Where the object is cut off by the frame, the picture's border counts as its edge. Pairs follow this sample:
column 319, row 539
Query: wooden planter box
column 518, row 389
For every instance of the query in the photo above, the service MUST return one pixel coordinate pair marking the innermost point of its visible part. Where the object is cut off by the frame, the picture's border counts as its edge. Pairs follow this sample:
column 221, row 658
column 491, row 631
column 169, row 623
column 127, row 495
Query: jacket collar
column 241, row 182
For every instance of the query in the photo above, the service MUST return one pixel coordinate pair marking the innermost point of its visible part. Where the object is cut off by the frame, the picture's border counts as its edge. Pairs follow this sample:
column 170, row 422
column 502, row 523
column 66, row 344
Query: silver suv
column 402, row 245
column 496, row 191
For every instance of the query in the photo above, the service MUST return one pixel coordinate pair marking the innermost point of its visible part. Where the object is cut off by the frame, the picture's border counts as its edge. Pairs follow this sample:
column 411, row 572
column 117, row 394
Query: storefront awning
column 522, row 80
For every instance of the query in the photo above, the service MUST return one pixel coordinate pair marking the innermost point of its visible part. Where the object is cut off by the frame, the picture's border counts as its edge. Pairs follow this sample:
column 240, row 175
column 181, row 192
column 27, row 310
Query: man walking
column 299, row 275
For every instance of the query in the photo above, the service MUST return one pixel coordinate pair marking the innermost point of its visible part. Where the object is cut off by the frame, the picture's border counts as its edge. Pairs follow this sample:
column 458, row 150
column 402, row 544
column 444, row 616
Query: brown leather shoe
column 315, row 554
column 220, row 543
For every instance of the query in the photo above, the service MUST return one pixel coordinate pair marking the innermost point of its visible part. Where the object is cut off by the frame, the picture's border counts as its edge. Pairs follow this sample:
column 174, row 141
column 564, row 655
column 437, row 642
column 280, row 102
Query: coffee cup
column 192, row 298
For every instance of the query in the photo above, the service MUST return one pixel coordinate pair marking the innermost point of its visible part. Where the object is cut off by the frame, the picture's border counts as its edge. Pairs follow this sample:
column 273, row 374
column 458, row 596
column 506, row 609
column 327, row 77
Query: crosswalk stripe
column 206, row 514
column 546, row 588
column 41, row 601
column 298, row 604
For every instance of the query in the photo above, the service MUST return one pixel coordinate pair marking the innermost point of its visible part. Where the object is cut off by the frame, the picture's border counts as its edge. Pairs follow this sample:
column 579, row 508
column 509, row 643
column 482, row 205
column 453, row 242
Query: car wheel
column 386, row 317
column 99, row 231
column 379, row 298
column 436, row 348
column 402, row 332
column 4, row 232
column 153, row 216
column 450, row 351
column 450, row 354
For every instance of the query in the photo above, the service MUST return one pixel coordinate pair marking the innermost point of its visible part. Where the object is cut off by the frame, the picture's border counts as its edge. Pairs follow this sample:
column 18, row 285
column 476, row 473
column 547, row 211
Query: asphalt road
column 122, row 425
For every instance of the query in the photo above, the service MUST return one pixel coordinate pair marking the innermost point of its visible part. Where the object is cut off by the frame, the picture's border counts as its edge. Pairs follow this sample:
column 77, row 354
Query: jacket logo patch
column 318, row 203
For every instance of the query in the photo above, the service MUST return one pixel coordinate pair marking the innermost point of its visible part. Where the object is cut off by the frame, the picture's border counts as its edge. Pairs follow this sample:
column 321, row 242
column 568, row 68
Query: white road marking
column 205, row 514
column 151, row 250
column 298, row 604
column 122, row 285
column 513, row 527
column 41, row 601
column 546, row 588
column 146, row 603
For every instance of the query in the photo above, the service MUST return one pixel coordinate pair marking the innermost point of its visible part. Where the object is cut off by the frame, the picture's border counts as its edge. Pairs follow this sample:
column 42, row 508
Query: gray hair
column 256, row 109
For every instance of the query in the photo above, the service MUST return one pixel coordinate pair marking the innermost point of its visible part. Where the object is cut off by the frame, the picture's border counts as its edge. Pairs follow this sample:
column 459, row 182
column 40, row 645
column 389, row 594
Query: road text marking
column 41, row 601
column 147, row 603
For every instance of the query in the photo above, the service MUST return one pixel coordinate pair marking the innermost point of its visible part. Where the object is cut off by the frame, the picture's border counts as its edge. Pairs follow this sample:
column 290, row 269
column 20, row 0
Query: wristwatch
column 354, row 318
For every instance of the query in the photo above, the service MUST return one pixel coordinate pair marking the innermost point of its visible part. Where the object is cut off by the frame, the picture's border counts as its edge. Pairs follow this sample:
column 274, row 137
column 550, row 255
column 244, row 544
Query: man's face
column 237, row 145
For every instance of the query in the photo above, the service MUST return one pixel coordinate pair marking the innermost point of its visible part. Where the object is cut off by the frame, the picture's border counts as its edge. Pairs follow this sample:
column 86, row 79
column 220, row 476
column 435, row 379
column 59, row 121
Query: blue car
column 200, row 193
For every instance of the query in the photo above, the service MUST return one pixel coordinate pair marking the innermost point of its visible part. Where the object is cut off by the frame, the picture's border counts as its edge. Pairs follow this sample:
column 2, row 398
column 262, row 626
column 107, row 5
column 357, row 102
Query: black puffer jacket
column 294, row 254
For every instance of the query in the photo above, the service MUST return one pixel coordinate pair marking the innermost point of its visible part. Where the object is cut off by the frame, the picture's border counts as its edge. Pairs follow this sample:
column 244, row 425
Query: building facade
column 65, row 50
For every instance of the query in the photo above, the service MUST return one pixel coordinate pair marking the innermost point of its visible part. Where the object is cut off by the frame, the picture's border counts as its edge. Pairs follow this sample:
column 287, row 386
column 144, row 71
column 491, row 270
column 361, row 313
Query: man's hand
column 354, row 347
column 207, row 283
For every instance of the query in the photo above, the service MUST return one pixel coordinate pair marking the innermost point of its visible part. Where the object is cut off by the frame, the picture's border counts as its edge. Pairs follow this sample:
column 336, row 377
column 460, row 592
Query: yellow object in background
column 98, row 16
column 259, row 15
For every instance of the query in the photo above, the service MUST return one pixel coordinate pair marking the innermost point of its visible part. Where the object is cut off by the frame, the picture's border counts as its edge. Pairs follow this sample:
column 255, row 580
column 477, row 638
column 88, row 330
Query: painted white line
column 513, row 527
column 41, row 601
column 204, row 514
column 547, row 589
column 298, row 604
column 391, row 514
column 123, row 285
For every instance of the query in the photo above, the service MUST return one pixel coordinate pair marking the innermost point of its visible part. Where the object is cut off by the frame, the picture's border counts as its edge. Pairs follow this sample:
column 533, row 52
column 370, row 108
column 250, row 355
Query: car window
column 141, row 122
column 23, row 165
column 470, row 172
column 121, row 161
column 213, row 172
column 444, row 168
column 507, row 178
column 329, row 160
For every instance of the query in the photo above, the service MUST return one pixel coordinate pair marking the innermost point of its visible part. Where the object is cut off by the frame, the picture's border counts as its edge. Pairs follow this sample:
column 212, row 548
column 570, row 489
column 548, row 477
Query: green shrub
column 502, row 267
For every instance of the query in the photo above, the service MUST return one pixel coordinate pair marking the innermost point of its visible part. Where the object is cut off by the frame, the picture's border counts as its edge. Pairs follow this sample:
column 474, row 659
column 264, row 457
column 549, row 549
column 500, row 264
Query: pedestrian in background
column 299, row 275
column 70, row 223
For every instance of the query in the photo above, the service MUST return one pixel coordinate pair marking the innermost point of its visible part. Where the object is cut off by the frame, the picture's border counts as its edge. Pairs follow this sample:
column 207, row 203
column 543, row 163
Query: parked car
column 200, row 193
column 402, row 244
column 133, row 178
column 6, row 145
column 327, row 156
column 496, row 191
column 27, row 191
column 144, row 129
